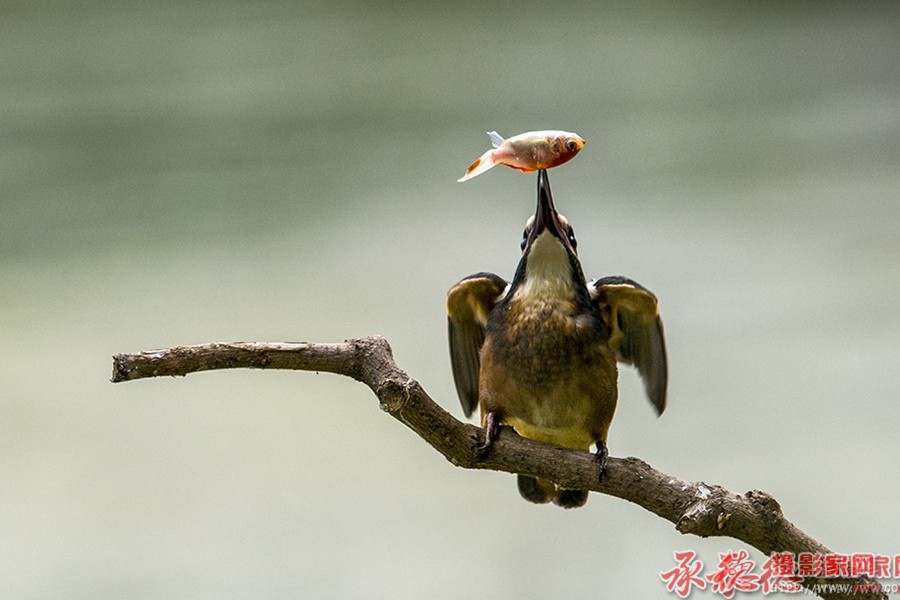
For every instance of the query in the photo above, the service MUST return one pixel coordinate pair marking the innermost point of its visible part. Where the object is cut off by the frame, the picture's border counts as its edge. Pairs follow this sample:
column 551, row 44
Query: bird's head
column 549, row 264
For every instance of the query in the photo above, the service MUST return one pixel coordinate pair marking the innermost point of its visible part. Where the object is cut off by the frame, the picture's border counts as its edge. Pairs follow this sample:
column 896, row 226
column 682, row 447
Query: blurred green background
column 175, row 173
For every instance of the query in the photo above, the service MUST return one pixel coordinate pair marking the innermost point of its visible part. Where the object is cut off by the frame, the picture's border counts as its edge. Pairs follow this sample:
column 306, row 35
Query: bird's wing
column 632, row 314
column 469, row 303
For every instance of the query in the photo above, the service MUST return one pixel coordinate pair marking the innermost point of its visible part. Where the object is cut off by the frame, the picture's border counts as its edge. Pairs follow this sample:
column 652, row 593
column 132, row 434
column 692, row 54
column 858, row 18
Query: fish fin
column 482, row 164
column 496, row 139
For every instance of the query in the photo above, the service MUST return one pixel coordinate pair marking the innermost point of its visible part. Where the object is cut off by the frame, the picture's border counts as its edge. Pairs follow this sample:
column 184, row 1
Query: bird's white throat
column 548, row 273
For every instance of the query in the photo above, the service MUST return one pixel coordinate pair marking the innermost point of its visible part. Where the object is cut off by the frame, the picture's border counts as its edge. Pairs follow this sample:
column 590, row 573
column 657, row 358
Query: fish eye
column 572, row 145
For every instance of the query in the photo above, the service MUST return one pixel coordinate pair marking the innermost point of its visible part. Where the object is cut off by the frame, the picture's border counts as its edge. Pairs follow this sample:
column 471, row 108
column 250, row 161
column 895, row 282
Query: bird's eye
column 524, row 239
column 572, row 145
column 571, row 235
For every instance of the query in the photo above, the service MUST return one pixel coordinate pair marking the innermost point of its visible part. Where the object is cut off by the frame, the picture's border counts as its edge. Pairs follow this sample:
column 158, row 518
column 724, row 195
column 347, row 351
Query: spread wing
column 632, row 313
column 469, row 303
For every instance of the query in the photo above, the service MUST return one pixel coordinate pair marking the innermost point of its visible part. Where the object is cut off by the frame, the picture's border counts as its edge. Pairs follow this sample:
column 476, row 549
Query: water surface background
column 175, row 173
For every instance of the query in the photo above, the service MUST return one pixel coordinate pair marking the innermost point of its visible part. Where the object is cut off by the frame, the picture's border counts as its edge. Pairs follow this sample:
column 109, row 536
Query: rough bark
column 697, row 508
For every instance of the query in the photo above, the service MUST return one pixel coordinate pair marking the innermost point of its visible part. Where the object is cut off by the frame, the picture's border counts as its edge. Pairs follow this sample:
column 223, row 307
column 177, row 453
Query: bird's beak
column 545, row 216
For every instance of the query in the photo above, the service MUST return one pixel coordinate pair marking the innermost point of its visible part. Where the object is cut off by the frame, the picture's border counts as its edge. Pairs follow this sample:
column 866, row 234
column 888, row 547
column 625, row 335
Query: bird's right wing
column 469, row 303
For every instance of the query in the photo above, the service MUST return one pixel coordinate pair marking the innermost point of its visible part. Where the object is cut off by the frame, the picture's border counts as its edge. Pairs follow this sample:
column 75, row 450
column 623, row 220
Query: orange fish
column 527, row 152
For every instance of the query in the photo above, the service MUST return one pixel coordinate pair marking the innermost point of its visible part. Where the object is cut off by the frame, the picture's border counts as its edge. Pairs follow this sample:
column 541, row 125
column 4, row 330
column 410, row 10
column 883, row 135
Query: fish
column 529, row 151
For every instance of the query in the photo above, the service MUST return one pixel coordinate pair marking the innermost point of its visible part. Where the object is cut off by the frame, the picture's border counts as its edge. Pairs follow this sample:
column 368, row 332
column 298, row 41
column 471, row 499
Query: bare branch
column 693, row 507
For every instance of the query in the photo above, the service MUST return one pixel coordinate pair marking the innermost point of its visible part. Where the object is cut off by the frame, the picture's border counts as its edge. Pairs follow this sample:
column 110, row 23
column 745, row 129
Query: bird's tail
column 541, row 491
column 482, row 164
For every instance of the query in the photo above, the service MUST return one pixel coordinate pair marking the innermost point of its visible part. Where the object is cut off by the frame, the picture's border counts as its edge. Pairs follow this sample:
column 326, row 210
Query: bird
column 539, row 354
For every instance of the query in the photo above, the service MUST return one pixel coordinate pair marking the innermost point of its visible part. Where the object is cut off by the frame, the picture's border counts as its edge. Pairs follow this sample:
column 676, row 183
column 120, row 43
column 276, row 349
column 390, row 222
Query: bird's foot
column 601, row 457
column 491, row 431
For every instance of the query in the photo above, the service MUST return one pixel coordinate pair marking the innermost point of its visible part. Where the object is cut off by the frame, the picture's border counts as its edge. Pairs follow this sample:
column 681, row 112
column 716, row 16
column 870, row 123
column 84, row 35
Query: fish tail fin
column 496, row 139
column 482, row 164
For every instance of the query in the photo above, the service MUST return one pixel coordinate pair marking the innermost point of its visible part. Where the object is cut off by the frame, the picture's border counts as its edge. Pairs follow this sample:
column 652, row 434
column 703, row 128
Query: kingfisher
column 539, row 354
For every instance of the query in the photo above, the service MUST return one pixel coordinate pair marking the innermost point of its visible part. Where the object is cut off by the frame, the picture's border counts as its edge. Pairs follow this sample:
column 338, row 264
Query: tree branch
column 697, row 508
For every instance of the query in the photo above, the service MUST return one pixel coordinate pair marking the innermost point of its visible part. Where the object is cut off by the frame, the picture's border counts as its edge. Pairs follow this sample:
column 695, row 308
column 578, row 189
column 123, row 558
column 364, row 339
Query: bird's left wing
column 469, row 303
column 632, row 314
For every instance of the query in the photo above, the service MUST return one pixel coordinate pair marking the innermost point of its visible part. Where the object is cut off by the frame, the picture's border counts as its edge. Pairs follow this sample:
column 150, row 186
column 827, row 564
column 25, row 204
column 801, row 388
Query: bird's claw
column 601, row 456
column 481, row 450
column 491, row 431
